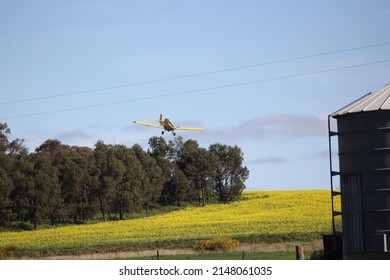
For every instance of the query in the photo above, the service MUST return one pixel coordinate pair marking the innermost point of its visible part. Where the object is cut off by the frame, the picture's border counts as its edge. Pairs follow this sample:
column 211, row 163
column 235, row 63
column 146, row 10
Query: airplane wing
column 149, row 124
column 187, row 128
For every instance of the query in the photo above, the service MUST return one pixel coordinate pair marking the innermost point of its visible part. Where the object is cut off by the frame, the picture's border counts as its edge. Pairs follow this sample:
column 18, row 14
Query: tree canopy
column 61, row 183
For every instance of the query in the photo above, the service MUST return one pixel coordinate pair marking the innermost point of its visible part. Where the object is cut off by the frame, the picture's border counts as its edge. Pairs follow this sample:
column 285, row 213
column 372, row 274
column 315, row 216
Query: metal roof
column 373, row 101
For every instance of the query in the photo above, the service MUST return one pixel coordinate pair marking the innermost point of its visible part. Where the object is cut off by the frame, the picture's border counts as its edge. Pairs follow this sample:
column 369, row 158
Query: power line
column 192, row 75
column 198, row 91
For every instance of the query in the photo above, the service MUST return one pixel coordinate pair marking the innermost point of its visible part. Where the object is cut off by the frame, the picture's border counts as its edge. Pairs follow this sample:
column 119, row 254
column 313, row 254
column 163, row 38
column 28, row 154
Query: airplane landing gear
column 173, row 133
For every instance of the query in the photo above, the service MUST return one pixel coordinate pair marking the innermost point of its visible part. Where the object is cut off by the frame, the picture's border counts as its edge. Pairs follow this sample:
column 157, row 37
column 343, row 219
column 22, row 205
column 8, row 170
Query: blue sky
column 79, row 71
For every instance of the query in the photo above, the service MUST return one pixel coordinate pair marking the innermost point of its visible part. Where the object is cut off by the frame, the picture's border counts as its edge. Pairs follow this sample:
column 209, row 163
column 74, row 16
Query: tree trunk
column 203, row 197
column 102, row 208
column 120, row 210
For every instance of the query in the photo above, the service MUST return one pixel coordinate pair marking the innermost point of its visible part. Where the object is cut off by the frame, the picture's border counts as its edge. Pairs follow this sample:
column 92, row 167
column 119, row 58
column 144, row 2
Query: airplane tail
column 161, row 118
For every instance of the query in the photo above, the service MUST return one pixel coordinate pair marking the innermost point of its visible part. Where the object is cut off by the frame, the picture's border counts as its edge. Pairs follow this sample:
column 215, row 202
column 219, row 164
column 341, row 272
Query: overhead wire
column 191, row 75
column 198, row 91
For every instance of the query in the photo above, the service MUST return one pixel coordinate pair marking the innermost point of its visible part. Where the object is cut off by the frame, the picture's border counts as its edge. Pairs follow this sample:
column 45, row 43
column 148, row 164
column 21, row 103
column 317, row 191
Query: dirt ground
column 276, row 247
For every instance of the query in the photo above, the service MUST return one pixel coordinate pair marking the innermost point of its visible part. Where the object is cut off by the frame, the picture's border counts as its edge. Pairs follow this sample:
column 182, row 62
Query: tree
column 87, row 199
column 6, row 214
column 4, row 131
column 127, row 175
column 45, row 199
column 204, row 162
column 13, row 164
column 77, row 183
column 17, row 148
column 120, row 175
column 23, row 188
column 152, row 183
column 230, row 175
column 158, row 148
column 103, row 189
column 55, row 149
column 198, row 166
column 177, row 188
column 163, row 154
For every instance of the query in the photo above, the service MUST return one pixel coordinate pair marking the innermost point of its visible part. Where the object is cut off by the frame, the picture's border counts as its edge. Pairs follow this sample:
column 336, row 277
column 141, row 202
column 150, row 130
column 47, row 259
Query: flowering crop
column 257, row 213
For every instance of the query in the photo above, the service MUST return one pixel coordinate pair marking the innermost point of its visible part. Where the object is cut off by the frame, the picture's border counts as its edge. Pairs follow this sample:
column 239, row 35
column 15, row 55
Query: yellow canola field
column 257, row 213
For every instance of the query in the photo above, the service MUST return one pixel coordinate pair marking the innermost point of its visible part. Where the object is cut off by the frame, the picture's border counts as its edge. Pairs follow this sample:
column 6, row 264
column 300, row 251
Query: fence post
column 158, row 255
column 299, row 252
column 243, row 255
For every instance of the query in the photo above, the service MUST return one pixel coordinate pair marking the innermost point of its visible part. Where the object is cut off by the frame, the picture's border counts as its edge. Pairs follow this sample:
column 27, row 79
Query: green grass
column 227, row 256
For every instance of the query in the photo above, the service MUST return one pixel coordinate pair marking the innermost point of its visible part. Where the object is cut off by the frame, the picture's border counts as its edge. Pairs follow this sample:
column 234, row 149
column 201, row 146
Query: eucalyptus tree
column 6, row 213
column 120, row 175
column 127, row 174
column 23, row 185
column 104, row 188
column 6, row 183
column 16, row 182
column 163, row 153
column 87, row 200
column 198, row 165
column 4, row 132
column 152, row 181
column 77, row 183
column 177, row 189
column 230, row 174
column 45, row 199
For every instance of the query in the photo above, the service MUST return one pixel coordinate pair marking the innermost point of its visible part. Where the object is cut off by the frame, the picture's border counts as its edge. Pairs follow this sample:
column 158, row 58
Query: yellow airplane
column 167, row 125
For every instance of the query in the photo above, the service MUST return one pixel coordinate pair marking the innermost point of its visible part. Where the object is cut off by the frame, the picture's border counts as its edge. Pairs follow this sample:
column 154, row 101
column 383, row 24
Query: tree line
column 62, row 183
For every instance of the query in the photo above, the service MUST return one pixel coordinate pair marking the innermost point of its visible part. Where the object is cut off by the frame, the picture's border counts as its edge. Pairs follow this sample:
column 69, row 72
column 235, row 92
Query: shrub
column 219, row 243
column 317, row 255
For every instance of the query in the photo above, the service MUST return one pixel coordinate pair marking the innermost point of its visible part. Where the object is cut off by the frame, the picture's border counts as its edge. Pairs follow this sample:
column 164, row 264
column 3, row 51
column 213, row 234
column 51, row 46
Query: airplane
column 167, row 125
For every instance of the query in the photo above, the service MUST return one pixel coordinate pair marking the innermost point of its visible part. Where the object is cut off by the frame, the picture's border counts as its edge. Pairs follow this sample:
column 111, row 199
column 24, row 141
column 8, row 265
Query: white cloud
column 382, row 13
column 267, row 160
column 75, row 134
column 272, row 126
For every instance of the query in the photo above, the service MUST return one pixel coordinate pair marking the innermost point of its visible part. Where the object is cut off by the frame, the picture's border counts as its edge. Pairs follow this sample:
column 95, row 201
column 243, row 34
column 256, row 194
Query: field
column 259, row 216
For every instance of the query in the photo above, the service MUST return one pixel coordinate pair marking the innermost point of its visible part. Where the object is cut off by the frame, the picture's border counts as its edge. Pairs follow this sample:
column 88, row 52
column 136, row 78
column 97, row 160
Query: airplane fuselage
column 166, row 123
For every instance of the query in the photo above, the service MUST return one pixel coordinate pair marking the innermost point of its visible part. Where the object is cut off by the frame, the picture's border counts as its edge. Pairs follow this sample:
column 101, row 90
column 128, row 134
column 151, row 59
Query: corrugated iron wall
column 364, row 157
column 351, row 194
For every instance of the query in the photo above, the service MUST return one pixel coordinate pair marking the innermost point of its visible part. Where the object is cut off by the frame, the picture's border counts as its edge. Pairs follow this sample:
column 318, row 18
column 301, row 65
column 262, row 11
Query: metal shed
column 363, row 131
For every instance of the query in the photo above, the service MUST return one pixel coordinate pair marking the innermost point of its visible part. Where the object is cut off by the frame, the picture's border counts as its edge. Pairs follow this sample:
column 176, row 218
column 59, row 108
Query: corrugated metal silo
column 363, row 130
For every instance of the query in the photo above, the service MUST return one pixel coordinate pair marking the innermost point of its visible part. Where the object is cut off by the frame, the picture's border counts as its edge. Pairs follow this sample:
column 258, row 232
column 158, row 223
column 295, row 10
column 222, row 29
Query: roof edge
column 341, row 111
column 378, row 100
